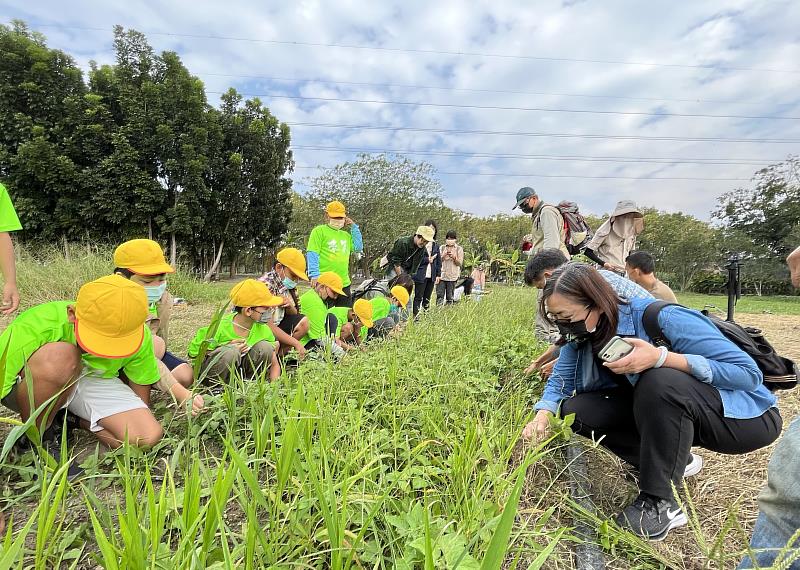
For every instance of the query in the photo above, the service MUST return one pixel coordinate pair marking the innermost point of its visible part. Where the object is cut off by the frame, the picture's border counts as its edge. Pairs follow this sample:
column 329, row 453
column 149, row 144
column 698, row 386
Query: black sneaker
column 650, row 517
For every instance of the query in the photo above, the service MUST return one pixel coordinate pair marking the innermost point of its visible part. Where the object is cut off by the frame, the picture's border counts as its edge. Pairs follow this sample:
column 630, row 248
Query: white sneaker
column 694, row 466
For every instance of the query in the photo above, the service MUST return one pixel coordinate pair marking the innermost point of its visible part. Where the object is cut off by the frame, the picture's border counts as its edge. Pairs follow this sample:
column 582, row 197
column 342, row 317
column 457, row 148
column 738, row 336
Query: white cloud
column 734, row 34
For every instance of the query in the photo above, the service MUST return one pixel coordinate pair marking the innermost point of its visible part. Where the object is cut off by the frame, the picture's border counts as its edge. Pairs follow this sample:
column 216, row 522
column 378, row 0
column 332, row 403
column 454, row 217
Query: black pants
column 422, row 294
column 654, row 425
column 345, row 300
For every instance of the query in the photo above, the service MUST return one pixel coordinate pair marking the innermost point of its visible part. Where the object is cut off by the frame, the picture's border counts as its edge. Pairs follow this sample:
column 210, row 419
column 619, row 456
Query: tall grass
column 45, row 273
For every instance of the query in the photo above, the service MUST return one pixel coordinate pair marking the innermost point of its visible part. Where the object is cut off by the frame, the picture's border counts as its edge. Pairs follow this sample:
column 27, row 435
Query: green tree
column 681, row 244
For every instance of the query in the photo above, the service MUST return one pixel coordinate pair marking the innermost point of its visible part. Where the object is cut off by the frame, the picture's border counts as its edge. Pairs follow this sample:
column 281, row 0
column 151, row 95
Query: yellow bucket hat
column 109, row 317
column 293, row 259
column 332, row 280
column 143, row 257
column 363, row 310
column 252, row 293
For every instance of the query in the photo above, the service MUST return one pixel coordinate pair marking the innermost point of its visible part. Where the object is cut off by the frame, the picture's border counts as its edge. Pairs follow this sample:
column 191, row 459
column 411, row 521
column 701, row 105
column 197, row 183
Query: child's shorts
column 97, row 398
column 172, row 361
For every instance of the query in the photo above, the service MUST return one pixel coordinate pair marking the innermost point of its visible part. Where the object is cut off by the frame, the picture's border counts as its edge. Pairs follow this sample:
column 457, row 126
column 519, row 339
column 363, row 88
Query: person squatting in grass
column 287, row 324
column 346, row 327
column 329, row 248
column 651, row 406
column 142, row 261
column 243, row 340
column 9, row 222
column 387, row 312
column 778, row 521
column 327, row 287
column 79, row 355
column 538, row 270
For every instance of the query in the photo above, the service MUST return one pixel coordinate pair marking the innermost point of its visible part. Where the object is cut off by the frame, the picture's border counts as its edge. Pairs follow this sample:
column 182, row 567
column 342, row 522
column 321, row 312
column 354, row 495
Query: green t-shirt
column 334, row 248
column 49, row 322
column 226, row 333
column 313, row 307
column 380, row 308
column 341, row 314
column 9, row 222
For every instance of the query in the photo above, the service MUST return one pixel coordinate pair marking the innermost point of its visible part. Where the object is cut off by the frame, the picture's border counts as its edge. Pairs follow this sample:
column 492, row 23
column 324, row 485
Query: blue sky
column 715, row 57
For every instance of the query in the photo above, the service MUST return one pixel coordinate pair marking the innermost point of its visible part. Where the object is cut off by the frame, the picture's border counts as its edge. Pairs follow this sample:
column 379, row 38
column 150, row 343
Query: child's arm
column 9, row 270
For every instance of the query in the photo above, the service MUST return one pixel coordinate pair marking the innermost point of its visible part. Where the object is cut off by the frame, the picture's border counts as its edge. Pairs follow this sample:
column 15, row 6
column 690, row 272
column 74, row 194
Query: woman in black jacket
column 428, row 273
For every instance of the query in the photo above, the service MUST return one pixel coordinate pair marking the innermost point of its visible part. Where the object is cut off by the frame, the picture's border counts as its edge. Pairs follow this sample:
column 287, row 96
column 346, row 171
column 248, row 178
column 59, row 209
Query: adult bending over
column 616, row 238
column 651, row 406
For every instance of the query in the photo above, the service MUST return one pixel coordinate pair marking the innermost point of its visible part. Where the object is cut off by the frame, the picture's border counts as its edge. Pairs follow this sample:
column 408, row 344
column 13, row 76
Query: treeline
column 136, row 149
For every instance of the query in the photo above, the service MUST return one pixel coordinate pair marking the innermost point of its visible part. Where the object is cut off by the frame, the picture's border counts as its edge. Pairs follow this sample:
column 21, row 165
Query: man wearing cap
column 329, row 248
column 73, row 353
column 407, row 252
column 313, row 306
column 288, row 325
column 547, row 233
column 616, row 238
column 346, row 329
column 243, row 340
column 548, row 223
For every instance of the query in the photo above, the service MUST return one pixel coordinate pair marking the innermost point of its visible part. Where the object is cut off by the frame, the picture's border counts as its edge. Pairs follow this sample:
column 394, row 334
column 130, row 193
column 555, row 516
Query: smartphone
column 615, row 349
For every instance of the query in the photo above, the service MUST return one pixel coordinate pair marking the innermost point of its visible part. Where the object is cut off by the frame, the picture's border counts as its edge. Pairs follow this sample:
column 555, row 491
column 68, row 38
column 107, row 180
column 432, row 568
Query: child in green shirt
column 9, row 222
column 142, row 261
column 73, row 354
column 243, row 340
column 351, row 324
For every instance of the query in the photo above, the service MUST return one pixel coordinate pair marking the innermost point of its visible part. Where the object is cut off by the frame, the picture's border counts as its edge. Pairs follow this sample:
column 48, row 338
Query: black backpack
column 780, row 373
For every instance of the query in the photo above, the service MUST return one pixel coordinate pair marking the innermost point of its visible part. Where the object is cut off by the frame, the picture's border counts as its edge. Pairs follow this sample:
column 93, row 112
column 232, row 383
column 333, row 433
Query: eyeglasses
column 559, row 319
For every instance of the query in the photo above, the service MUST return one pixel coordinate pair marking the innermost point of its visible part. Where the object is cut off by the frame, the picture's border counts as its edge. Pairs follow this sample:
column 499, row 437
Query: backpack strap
column 650, row 323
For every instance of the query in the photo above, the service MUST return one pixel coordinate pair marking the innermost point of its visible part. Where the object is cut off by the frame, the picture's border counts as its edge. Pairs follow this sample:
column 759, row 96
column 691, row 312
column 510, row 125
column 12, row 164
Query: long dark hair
column 582, row 284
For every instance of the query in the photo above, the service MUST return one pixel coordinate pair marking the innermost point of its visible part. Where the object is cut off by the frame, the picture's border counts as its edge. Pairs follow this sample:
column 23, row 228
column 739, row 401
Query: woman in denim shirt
column 651, row 406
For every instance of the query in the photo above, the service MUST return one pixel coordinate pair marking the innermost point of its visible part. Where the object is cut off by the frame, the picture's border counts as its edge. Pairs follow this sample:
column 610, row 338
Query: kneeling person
column 243, row 340
column 75, row 353
column 312, row 305
column 350, row 326
column 387, row 311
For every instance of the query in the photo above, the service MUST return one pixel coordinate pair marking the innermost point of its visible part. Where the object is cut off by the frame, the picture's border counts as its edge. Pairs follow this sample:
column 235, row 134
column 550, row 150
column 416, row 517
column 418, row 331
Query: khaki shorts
column 96, row 398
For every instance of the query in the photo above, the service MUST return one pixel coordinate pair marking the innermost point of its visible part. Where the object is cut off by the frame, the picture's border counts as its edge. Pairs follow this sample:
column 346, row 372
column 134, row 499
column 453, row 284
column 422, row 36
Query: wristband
column 663, row 358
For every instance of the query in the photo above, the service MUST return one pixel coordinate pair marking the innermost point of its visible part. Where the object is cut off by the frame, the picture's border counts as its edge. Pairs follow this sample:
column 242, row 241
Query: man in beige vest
column 547, row 232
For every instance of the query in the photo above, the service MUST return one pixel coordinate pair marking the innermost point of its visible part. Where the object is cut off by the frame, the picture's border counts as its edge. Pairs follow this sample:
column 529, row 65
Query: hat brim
column 301, row 274
column 150, row 270
column 367, row 322
column 101, row 345
column 273, row 301
column 628, row 211
column 519, row 202
column 335, row 289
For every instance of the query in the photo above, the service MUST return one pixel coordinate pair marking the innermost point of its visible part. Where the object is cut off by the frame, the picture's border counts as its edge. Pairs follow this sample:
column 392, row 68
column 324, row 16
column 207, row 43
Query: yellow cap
column 332, row 280
column 335, row 209
column 293, row 259
column 363, row 310
column 143, row 257
column 401, row 294
column 109, row 317
column 426, row 232
column 252, row 293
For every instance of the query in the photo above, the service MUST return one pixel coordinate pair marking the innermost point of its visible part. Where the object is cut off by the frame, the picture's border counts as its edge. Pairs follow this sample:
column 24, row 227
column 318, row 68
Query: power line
column 539, row 134
column 709, row 66
column 570, row 158
column 504, row 108
column 476, row 90
column 537, row 175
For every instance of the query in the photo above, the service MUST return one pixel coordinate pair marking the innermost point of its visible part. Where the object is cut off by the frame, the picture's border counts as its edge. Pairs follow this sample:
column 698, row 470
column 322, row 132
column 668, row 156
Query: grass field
column 777, row 305
column 406, row 455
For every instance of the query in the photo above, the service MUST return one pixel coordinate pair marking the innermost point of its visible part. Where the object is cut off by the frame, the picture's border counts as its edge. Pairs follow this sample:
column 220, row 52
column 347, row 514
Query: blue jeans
column 779, row 503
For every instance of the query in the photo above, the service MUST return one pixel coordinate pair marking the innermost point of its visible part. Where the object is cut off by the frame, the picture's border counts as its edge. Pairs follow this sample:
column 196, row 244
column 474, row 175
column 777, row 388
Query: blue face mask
column 288, row 283
column 266, row 316
column 154, row 293
column 393, row 308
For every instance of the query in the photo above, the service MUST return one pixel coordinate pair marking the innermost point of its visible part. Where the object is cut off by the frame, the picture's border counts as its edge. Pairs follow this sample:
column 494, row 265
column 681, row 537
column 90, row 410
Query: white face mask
column 336, row 223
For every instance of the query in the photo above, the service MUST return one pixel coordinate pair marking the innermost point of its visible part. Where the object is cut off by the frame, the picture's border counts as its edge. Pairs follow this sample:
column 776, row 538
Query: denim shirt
column 712, row 359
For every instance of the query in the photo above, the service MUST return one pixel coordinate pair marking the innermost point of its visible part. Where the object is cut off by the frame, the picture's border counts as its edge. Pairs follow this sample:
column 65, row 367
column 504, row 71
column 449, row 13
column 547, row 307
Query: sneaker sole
column 679, row 520
column 694, row 467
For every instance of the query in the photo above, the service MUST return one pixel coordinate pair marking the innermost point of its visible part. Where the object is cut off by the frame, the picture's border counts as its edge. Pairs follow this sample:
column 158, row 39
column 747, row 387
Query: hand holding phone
column 615, row 349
